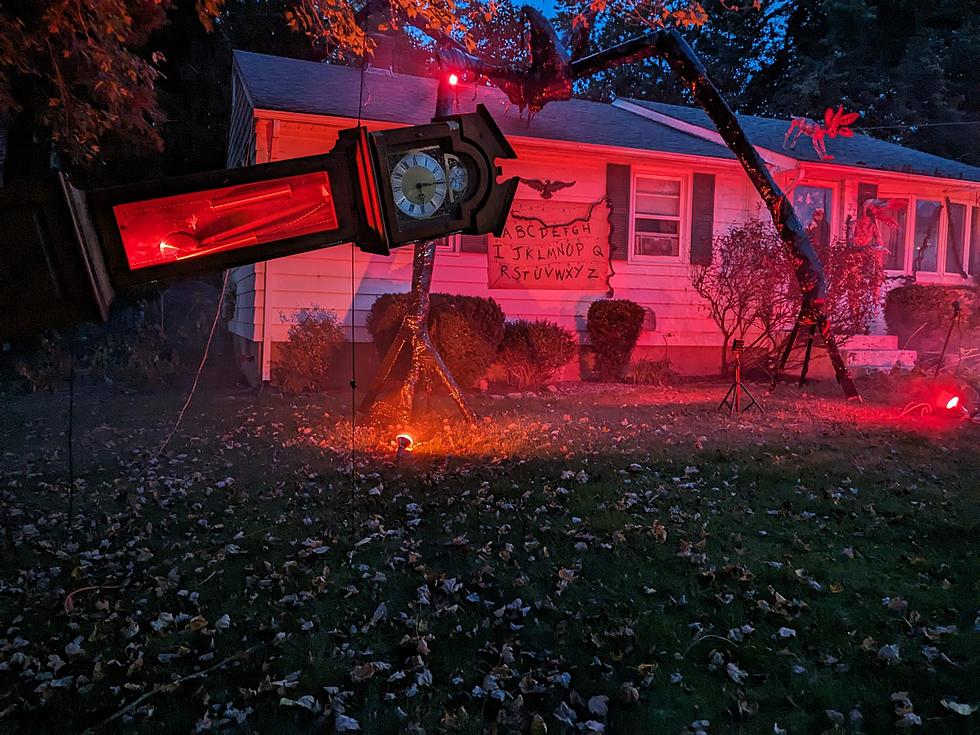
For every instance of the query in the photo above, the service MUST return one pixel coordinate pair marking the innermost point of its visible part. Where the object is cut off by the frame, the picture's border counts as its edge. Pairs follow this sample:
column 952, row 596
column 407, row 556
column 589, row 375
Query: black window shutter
column 472, row 243
column 702, row 218
column 618, row 193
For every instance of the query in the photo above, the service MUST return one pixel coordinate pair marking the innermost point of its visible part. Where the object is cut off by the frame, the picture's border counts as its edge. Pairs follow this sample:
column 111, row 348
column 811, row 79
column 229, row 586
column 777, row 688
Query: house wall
column 347, row 281
column 269, row 298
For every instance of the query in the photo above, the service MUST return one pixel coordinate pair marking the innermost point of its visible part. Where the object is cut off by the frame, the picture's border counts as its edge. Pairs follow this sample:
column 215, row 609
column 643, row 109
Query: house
column 670, row 183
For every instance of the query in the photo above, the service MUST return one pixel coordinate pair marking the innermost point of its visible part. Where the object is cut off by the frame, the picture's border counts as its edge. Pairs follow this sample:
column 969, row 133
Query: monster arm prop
column 671, row 46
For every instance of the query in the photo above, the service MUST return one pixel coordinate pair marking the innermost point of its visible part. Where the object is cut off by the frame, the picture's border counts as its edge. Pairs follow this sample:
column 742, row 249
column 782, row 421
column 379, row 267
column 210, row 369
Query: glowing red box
column 185, row 226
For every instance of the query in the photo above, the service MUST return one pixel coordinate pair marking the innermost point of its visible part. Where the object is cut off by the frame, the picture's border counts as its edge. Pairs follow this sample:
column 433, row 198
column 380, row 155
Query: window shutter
column 702, row 218
column 472, row 243
column 618, row 193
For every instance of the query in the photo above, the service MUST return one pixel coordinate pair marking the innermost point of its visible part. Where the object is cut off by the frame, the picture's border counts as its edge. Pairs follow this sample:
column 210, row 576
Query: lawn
column 623, row 560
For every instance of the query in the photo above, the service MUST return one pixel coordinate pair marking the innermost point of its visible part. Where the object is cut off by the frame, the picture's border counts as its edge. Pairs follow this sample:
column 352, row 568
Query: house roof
column 292, row 85
column 862, row 150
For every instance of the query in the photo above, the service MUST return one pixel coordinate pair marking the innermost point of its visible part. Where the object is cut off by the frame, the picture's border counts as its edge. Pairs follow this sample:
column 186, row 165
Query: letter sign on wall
column 552, row 245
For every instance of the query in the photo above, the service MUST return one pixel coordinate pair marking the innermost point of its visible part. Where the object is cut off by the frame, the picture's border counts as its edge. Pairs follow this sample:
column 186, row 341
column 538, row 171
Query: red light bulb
column 952, row 403
column 453, row 80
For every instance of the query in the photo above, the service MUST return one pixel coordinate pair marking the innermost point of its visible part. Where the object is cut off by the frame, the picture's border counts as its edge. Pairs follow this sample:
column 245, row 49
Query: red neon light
column 952, row 403
column 453, row 79
column 174, row 228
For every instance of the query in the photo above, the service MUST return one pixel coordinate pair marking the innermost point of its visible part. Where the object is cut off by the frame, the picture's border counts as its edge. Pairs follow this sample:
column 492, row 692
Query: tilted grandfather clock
column 68, row 250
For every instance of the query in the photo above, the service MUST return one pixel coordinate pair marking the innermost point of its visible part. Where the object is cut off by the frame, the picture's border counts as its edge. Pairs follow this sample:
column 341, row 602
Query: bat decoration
column 835, row 122
column 547, row 188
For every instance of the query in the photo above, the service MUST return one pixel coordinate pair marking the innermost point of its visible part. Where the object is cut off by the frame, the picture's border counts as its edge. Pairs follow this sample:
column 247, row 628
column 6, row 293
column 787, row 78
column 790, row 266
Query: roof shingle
column 277, row 83
column 861, row 150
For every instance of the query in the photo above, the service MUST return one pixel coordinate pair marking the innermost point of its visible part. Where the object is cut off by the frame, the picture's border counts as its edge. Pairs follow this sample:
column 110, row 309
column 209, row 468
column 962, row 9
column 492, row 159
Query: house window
column 955, row 237
column 925, row 253
column 657, row 217
column 975, row 242
column 813, row 205
column 893, row 238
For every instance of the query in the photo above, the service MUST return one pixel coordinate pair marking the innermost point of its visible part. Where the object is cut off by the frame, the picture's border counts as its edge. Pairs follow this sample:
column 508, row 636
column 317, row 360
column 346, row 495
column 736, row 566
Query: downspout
column 265, row 375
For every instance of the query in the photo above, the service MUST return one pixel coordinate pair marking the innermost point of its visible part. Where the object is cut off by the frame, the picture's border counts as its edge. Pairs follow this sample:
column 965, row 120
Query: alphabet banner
column 552, row 245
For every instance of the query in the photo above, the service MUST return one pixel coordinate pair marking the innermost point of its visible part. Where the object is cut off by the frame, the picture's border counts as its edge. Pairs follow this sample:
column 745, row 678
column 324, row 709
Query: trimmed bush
column 305, row 359
column 614, row 327
column 532, row 352
column 920, row 315
column 467, row 330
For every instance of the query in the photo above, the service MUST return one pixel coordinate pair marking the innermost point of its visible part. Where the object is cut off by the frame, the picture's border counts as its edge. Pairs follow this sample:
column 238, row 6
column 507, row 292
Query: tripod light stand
column 733, row 398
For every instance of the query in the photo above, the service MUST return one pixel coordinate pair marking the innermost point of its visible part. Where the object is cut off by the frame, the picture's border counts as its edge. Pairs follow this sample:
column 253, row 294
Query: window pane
column 658, row 196
column 658, row 186
column 657, row 237
column 657, row 245
column 954, row 239
column 657, row 225
column 975, row 243
column 813, row 207
column 925, row 252
column 652, row 204
column 893, row 238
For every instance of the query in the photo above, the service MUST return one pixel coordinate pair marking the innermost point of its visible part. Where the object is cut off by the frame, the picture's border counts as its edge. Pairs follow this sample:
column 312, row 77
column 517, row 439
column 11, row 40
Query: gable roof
column 862, row 151
column 291, row 85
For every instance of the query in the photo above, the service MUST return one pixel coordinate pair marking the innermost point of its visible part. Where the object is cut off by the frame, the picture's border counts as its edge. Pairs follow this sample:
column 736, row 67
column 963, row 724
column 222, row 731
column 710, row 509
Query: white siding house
column 627, row 151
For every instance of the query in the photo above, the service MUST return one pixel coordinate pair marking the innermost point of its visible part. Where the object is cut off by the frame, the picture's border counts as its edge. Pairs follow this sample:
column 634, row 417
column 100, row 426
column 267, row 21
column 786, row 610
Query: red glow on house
column 184, row 226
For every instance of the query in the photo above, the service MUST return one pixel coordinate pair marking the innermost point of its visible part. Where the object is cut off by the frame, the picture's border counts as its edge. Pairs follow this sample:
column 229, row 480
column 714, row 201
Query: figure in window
column 819, row 228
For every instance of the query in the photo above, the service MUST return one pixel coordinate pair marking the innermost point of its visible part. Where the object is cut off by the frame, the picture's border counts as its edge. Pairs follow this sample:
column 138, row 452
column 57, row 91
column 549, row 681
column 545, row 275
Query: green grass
column 757, row 514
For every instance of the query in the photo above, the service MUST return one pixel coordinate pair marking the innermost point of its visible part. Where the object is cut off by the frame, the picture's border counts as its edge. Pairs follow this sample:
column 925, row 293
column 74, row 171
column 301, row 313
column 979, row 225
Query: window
column 955, row 265
column 893, row 238
column 975, row 242
column 657, row 217
column 813, row 205
column 925, row 253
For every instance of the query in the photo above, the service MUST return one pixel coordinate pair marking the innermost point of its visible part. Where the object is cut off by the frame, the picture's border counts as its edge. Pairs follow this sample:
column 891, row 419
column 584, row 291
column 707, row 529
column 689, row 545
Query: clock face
column 418, row 183
column 459, row 179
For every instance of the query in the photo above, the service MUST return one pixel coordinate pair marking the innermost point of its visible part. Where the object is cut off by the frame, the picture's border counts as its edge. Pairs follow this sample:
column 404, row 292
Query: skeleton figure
column 834, row 123
column 876, row 212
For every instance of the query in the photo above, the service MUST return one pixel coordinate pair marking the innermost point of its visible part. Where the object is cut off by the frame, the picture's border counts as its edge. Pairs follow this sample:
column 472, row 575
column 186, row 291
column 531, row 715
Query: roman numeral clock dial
column 418, row 183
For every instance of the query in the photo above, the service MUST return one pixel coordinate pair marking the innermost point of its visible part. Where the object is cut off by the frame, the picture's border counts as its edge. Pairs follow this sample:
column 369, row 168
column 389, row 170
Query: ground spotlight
column 404, row 442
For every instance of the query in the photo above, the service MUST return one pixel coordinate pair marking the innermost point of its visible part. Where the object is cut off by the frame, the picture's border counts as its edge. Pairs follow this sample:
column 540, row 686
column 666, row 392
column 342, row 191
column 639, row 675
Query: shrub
column 532, row 352
column 467, row 330
column 746, row 287
column 653, row 372
column 855, row 276
column 46, row 368
column 920, row 315
column 305, row 358
column 143, row 359
column 614, row 327
column 751, row 292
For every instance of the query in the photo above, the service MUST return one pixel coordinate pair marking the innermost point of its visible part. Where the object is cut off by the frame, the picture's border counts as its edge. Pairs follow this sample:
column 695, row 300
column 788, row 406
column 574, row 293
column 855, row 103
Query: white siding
column 323, row 278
